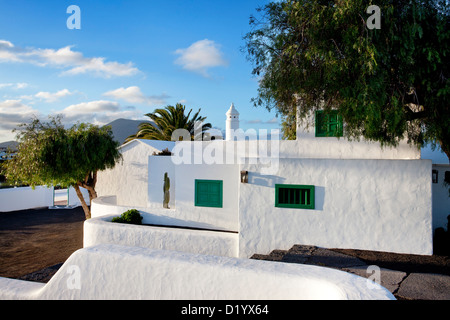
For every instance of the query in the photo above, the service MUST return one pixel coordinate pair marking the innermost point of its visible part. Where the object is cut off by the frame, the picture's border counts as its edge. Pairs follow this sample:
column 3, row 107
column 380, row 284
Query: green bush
column 131, row 216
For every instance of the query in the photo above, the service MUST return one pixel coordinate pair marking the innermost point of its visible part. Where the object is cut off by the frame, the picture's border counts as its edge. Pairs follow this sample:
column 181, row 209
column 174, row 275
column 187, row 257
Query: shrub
column 131, row 217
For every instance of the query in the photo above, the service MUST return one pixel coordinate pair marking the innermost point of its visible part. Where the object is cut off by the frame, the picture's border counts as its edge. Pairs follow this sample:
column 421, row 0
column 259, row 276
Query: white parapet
column 102, row 231
column 118, row 272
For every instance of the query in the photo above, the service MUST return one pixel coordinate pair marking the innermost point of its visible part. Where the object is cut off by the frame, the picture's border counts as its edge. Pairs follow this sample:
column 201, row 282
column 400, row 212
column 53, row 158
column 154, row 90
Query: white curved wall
column 102, row 231
column 116, row 272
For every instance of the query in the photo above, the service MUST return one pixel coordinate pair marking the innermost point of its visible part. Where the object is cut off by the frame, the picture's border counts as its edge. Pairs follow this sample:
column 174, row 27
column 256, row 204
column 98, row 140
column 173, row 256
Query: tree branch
column 411, row 115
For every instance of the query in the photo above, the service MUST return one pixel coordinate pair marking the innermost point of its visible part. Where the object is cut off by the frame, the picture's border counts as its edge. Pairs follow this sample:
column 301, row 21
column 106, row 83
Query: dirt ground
column 32, row 240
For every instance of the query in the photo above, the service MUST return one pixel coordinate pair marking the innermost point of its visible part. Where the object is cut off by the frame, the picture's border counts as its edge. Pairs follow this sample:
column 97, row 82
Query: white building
column 318, row 190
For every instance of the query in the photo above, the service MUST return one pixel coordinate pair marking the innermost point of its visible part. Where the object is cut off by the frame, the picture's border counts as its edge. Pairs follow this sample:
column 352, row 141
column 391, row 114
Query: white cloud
column 19, row 85
column 98, row 112
column 13, row 113
column 134, row 95
column 8, row 52
column 91, row 107
column 274, row 120
column 73, row 62
column 200, row 56
column 52, row 97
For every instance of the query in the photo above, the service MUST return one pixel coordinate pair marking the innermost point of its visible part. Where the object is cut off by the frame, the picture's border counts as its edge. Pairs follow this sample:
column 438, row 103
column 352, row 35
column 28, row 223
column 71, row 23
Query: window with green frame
column 294, row 196
column 208, row 193
column 328, row 124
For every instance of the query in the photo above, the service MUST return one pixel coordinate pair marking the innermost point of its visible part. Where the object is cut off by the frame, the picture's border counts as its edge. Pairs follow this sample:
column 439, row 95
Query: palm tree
column 166, row 121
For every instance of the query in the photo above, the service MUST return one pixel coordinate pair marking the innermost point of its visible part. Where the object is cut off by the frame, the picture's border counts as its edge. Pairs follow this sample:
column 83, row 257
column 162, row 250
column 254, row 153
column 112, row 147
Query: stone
column 298, row 254
column 425, row 286
column 323, row 257
column 390, row 279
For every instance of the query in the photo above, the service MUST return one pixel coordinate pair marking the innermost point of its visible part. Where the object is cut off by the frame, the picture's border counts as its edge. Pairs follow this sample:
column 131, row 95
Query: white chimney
column 232, row 122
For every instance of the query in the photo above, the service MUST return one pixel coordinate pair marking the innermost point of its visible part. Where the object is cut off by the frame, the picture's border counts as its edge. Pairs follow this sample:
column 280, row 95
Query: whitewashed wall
column 157, row 166
column 310, row 146
column 24, row 198
column 92, row 273
column 13, row 199
column 73, row 197
column 128, row 180
column 102, row 231
column 380, row 205
column 441, row 199
column 227, row 217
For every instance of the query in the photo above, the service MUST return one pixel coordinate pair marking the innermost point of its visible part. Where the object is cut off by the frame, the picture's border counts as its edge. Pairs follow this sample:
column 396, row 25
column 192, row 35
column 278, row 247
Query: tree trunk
column 87, row 211
column 89, row 184
column 92, row 192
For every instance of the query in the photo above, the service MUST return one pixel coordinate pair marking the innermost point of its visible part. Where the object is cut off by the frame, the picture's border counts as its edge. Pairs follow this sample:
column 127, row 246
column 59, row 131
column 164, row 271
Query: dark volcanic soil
column 31, row 240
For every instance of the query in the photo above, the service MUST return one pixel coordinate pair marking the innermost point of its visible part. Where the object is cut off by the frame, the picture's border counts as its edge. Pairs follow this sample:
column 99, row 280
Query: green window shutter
column 321, row 124
column 208, row 193
column 294, row 196
column 329, row 124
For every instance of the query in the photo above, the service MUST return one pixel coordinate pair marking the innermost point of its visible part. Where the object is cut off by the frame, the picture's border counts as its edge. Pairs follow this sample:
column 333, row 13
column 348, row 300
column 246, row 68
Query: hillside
column 9, row 144
column 123, row 128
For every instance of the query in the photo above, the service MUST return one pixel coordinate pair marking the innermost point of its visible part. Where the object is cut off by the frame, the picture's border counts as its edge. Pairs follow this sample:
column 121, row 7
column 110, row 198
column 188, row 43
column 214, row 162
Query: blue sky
column 128, row 58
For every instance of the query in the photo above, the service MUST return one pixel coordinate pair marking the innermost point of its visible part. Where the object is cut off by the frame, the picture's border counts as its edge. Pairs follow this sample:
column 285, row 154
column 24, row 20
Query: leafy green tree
column 49, row 154
column 167, row 121
column 289, row 125
column 388, row 84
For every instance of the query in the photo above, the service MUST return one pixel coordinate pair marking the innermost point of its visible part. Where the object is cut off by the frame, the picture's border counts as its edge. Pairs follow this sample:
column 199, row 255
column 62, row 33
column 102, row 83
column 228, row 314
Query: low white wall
column 104, row 206
column 117, row 272
column 14, row 199
column 24, row 198
column 103, row 231
column 441, row 199
column 382, row 205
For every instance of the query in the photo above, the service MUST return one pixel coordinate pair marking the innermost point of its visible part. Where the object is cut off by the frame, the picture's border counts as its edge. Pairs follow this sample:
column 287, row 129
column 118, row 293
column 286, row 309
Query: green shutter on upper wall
column 329, row 124
column 208, row 193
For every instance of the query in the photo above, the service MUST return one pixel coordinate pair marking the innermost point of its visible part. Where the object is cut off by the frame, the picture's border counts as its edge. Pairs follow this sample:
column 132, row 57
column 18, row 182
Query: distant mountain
column 123, row 128
column 9, row 144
